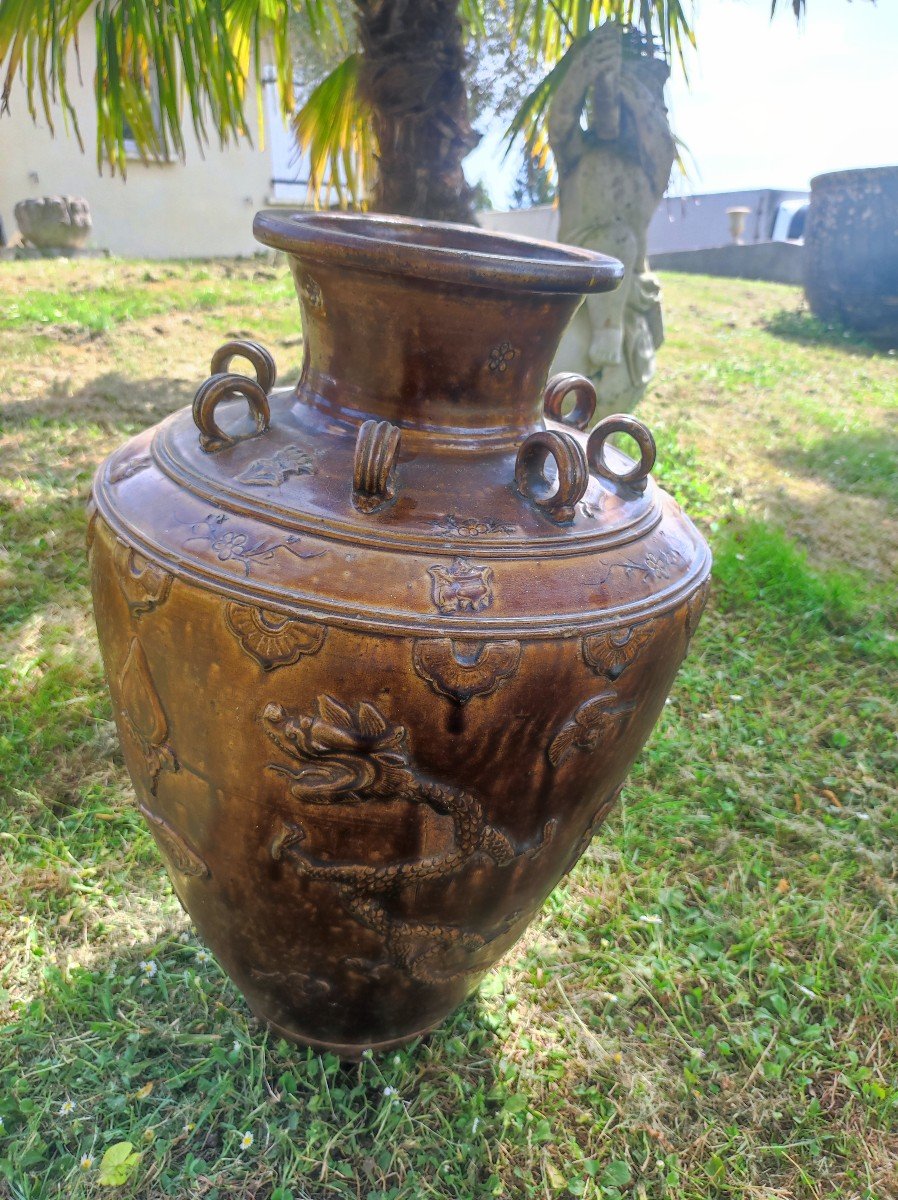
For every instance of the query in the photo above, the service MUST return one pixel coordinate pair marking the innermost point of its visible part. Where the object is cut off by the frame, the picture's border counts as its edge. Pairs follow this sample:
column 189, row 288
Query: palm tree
column 389, row 123
column 412, row 55
column 399, row 96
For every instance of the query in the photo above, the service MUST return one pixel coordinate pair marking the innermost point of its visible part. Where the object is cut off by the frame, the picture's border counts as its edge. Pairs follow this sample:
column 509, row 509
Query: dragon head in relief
column 340, row 755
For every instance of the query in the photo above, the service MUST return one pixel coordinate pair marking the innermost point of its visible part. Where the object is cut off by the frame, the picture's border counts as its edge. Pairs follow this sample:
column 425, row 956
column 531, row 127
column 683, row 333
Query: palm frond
column 473, row 17
column 334, row 128
column 151, row 57
column 531, row 118
column 551, row 28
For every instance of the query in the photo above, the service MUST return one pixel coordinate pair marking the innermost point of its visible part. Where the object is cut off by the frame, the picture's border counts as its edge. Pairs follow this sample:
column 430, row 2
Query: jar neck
column 448, row 361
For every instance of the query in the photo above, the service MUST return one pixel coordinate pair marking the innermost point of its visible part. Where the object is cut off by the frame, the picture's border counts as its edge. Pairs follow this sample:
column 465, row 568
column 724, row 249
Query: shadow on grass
column 111, row 402
column 800, row 325
column 156, row 1047
column 47, row 558
column 46, row 479
column 864, row 464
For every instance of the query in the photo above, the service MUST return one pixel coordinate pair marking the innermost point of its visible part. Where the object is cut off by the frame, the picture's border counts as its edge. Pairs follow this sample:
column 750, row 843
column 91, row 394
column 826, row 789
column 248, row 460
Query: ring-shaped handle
column 262, row 361
column 573, row 473
column 637, row 476
column 557, row 391
column 225, row 386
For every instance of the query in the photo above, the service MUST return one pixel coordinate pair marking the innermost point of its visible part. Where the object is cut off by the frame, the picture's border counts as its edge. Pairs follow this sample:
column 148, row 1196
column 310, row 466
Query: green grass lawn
column 706, row 1008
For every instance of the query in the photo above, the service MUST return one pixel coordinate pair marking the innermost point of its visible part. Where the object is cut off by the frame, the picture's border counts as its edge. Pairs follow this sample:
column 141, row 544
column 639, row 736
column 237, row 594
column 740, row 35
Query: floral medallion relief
column 610, row 653
column 272, row 639
column 597, row 819
column 144, row 585
column 695, row 606
column 175, row 846
column 462, row 669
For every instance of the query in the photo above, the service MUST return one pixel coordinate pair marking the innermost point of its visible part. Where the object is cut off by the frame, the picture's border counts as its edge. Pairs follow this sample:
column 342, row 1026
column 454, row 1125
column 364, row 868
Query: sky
column 769, row 104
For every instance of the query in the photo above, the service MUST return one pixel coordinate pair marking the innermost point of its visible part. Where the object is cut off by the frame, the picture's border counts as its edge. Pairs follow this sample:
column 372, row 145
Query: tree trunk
column 412, row 78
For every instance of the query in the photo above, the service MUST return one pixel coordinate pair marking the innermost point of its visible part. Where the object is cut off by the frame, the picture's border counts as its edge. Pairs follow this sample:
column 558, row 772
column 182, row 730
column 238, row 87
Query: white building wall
column 539, row 222
column 202, row 207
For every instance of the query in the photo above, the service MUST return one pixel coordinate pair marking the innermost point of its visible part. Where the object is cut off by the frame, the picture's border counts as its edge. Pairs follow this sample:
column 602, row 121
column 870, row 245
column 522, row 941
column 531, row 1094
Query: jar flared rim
column 438, row 251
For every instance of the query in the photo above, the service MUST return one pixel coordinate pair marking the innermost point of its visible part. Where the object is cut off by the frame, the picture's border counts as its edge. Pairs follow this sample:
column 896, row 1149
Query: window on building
column 131, row 148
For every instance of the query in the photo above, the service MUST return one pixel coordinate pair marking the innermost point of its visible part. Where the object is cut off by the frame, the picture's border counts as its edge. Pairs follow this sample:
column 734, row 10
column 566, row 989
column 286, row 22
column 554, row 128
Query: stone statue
column 614, row 150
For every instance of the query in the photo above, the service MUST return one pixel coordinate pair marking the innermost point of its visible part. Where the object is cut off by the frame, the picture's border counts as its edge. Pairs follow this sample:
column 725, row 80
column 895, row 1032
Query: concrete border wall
column 775, row 262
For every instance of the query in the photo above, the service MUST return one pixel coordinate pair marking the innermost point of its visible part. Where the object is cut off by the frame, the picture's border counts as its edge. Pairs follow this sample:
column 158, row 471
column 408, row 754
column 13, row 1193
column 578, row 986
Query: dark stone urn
column 383, row 646
column 851, row 251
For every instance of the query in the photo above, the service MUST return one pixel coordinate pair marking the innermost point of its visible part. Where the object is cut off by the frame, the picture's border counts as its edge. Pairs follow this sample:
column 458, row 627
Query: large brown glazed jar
column 382, row 648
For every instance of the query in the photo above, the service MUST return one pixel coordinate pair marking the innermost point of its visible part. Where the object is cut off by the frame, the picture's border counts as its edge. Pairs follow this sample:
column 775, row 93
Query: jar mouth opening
column 439, row 251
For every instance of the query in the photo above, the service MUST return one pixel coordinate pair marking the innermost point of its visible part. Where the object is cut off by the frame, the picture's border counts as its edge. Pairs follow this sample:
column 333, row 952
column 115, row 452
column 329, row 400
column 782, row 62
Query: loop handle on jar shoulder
column 224, row 384
column 573, row 473
column 374, row 464
column 637, row 477
column 262, row 361
column 226, row 387
column 558, row 389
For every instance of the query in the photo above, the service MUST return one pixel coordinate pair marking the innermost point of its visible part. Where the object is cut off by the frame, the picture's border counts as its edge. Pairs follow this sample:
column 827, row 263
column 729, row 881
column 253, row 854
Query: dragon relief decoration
column 341, row 756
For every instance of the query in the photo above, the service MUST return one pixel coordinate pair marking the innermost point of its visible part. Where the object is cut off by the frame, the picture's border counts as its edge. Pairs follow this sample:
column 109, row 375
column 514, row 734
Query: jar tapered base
column 348, row 1051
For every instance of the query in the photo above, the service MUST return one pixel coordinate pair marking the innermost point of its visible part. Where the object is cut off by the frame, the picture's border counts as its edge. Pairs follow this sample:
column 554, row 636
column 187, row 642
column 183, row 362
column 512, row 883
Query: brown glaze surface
column 377, row 678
